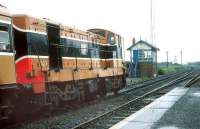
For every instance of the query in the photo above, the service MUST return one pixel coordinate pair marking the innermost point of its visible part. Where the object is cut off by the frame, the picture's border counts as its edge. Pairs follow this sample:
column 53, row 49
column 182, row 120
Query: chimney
column 133, row 41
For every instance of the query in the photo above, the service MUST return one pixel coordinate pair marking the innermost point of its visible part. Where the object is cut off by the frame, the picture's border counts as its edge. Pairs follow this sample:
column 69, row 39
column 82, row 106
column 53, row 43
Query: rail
column 100, row 117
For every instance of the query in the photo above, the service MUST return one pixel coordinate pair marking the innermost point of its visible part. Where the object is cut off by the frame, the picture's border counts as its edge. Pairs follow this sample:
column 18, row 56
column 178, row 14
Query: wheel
column 115, row 91
column 86, row 93
column 102, row 88
column 6, row 108
column 56, row 101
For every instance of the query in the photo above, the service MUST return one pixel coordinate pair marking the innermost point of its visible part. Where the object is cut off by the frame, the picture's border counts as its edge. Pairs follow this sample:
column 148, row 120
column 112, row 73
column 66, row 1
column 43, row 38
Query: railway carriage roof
column 4, row 11
column 23, row 21
column 99, row 29
column 28, row 22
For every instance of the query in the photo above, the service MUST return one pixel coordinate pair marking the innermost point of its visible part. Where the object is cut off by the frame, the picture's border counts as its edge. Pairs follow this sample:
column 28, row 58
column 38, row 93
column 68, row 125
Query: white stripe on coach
column 6, row 53
column 86, row 41
column 30, row 56
column 65, row 37
column 32, row 31
column 46, row 57
column 5, row 21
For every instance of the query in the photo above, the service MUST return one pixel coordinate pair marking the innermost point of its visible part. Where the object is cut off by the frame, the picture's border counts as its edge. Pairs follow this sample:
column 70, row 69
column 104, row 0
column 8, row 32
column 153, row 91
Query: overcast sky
column 177, row 22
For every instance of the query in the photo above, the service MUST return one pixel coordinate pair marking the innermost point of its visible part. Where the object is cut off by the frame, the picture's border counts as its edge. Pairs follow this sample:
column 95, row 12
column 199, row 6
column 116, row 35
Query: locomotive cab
column 4, row 38
column 7, row 64
column 111, row 51
column 7, row 72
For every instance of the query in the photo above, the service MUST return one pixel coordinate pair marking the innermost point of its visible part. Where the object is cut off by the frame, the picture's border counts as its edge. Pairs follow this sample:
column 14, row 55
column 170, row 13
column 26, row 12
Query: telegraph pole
column 175, row 60
column 167, row 59
column 123, row 49
column 151, row 21
column 181, row 57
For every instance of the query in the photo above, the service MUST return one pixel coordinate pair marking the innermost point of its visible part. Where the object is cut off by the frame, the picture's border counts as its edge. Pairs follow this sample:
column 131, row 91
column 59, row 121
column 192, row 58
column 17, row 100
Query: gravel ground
column 72, row 118
column 68, row 119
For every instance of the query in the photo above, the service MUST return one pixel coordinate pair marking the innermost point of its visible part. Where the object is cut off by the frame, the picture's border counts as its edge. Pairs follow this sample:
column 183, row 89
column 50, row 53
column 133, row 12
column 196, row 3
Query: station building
column 143, row 57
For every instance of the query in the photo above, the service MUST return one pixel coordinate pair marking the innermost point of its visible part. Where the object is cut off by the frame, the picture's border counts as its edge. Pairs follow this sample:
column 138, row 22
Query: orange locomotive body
column 43, row 62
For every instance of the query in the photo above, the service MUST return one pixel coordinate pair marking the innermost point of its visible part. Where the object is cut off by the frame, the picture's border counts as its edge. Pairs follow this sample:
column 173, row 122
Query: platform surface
column 178, row 109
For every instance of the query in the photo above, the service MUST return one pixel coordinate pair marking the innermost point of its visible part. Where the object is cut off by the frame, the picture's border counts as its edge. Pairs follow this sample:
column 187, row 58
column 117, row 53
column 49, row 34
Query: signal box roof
column 146, row 43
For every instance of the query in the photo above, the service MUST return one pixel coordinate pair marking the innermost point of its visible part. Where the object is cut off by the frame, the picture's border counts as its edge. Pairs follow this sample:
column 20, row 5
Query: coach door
column 55, row 48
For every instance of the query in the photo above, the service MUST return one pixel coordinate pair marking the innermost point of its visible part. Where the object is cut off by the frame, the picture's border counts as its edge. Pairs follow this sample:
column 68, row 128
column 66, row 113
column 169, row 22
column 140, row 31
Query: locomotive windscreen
column 4, row 38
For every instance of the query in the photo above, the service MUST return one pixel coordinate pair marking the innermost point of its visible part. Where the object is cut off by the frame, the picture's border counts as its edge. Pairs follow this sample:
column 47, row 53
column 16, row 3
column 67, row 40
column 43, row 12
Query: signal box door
column 55, row 47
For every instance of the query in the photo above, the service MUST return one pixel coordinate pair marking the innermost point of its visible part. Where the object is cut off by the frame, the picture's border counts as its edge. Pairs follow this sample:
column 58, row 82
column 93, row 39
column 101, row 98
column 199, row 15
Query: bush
column 161, row 72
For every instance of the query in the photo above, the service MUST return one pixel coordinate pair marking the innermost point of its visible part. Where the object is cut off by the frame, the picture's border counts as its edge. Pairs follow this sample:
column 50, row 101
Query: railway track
column 193, row 80
column 70, row 120
column 109, row 118
column 153, row 81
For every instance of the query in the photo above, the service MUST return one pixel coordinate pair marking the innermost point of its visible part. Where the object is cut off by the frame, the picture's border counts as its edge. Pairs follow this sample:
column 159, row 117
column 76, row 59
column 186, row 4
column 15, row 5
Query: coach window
column 4, row 39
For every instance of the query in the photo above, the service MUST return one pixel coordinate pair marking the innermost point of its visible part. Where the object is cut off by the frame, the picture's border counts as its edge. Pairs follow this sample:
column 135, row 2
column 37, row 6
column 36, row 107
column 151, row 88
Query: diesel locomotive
column 43, row 62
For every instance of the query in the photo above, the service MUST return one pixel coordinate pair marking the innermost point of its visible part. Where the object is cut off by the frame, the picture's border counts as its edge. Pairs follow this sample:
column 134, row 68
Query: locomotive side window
column 119, row 52
column 111, row 39
column 4, row 39
column 37, row 44
column 97, row 49
column 109, row 52
column 77, row 48
column 84, row 49
column 102, row 33
column 69, row 49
